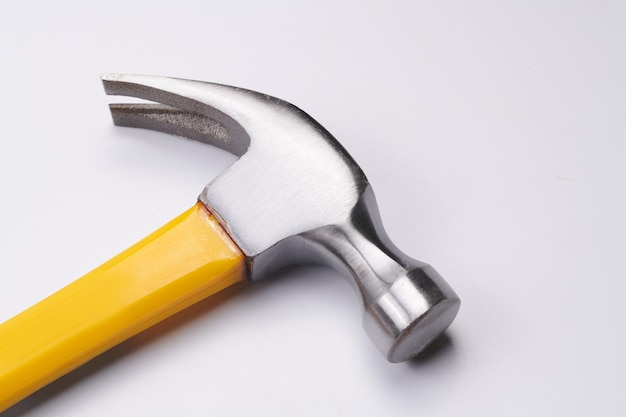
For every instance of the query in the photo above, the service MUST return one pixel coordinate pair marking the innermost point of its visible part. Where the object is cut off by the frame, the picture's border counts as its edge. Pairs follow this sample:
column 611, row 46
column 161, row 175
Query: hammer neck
column 361, row 250
column 406, row 302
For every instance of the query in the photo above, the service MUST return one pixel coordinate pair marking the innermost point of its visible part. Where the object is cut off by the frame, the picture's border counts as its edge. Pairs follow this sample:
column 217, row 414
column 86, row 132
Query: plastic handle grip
column 183, row 262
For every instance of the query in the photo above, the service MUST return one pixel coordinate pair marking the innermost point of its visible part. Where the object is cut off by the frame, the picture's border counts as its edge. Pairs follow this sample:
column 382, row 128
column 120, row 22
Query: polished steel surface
column 296, row 196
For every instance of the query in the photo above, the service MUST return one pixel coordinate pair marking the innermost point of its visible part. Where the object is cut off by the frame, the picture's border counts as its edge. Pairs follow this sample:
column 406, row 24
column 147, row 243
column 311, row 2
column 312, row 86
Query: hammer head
column 296, row 196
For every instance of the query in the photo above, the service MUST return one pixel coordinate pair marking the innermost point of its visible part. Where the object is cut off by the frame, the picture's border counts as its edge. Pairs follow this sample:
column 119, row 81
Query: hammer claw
column 188, row 101
column 171, row 120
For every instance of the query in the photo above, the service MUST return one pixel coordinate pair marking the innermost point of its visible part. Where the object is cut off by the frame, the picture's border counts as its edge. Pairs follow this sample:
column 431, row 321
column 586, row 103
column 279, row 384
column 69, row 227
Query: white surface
column 494, row 134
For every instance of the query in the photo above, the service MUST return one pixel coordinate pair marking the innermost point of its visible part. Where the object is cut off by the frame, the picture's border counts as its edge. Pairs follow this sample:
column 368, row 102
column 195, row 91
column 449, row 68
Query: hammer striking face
column 294, row 196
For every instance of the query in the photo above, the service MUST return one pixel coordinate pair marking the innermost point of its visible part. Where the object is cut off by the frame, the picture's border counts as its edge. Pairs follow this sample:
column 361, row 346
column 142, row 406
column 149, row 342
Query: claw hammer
column 294, row 196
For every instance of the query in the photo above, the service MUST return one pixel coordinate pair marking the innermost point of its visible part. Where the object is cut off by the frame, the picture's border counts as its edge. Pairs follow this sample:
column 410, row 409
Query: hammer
column 294, row 196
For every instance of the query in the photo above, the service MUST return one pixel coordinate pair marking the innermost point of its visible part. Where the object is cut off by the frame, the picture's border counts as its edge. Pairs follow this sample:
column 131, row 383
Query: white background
column 494, row 134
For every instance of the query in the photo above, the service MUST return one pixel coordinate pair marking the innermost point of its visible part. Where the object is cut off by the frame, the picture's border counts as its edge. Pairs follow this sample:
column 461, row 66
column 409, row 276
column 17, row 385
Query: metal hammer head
column 296, row 196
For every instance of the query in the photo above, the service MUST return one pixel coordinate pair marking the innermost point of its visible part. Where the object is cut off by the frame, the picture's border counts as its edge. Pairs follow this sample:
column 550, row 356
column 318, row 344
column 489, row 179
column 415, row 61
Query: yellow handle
column 185, row 261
